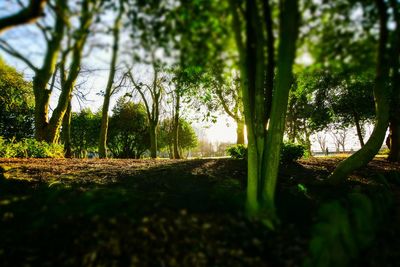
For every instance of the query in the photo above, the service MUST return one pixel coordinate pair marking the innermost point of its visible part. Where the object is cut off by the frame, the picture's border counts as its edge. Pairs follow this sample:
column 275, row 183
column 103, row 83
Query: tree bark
column 175, row 131
column 66, row 130
column 110, row 82
column 381, row 93
column 288, row 32
column 153, row 140
column 240, row 133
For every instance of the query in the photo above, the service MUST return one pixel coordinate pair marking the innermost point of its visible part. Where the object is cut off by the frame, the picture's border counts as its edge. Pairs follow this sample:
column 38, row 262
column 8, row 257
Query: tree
column 109, row 87
column 129, row 130
column 151, row 96
column 47, row 129
column 265, row 96
column 227, row 95
column 187, row 137
column 25, row 15
column 382, row 96
column 16, row 104
column 84, row 131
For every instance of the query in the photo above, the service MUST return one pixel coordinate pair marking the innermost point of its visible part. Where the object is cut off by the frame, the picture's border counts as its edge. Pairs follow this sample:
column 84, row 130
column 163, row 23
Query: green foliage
column 85, row 127
column 289, row 152
column 346, row 227
column 187, row 138
column 237, row 151
column 16, row 104
column 128, row 131
column 29, row 148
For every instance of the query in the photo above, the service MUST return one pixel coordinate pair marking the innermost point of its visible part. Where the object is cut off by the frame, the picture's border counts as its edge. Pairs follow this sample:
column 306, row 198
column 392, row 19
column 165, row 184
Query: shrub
column 29, row 148
column 289, row 152
column 237, row 151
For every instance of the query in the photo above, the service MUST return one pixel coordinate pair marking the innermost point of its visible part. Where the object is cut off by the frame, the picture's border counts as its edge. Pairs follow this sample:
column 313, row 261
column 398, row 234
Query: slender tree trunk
column 110, row 82
column 66, row 130
column 358, row 129
column 176, row 126
column 153, row 140
column 240, row 133
column 381, row 93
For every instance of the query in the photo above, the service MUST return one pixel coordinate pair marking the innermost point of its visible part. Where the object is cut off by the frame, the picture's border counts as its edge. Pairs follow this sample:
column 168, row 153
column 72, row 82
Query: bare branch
column 26, row 15
column 6, row 47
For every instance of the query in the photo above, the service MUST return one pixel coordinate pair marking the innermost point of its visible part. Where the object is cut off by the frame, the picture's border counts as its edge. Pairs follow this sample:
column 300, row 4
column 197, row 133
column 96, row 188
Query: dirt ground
column 73, row 212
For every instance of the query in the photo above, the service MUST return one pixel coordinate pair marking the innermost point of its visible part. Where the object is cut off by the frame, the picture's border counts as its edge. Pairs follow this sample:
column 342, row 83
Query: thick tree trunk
column 66, row 131
column 175, row 131
column 110, row 82
column 240, row 133
column 381, row 93
column 42, row 102
column 153, row 140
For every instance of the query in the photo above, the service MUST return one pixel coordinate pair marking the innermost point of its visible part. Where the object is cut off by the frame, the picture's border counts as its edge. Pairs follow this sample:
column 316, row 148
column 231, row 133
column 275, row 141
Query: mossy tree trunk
column 265, row 101
column 240, row 133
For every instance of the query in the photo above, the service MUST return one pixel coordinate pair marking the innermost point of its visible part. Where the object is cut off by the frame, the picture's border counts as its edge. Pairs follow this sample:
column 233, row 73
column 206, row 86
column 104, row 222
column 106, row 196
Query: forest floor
column 73, row 212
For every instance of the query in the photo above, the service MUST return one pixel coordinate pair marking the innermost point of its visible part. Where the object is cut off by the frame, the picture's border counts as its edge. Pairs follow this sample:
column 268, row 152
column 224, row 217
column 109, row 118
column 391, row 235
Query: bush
column 289, row 152
column 29, row 148
column 237, row 151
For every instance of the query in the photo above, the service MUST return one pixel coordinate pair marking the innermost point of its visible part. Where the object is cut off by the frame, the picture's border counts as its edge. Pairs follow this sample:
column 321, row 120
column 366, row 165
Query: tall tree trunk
column 288, row 32
column 359, row 129
column 240, row 133
column 176, row 126
column 110, row 82
column 153, row 140
column 66, row 131
column 381, row 93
